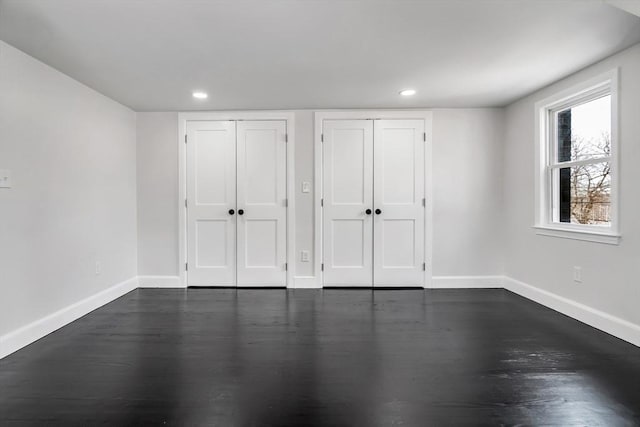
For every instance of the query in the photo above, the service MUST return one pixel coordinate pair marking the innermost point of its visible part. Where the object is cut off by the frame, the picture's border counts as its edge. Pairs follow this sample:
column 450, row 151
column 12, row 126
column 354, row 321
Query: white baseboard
column 159, row 282
column 615, row 326
column 467, row 282
column 306, row 282
column 438, row 282
column 32, row 332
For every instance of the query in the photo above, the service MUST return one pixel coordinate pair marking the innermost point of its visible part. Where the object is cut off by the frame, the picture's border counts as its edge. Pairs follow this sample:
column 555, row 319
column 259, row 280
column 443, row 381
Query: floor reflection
column 323, row 357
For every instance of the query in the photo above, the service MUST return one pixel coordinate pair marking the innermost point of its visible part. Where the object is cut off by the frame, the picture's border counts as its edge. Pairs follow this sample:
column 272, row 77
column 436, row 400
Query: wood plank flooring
column 322, row 358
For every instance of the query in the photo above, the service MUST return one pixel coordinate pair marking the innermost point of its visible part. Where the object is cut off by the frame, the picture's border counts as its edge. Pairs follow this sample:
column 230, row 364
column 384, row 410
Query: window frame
column 547, row 161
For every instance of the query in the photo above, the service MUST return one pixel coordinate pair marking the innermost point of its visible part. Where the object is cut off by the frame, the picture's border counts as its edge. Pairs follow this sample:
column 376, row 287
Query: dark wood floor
column 332, row 357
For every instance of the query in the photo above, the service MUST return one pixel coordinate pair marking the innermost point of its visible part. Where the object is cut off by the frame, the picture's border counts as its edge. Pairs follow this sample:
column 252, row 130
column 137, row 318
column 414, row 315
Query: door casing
column 427, row 117
column 183, row 118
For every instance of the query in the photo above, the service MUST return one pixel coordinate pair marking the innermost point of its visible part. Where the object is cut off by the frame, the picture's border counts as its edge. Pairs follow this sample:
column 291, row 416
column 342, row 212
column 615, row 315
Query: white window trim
column 544, row 224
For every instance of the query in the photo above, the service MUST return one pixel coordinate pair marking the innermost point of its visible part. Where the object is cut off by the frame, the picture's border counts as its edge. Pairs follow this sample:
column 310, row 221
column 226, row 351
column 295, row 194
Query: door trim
column 183, row 118
column 427, row 116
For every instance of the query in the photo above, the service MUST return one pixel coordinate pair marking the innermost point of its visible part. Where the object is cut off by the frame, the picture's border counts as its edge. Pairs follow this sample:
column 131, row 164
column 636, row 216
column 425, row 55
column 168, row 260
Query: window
column 577, row 167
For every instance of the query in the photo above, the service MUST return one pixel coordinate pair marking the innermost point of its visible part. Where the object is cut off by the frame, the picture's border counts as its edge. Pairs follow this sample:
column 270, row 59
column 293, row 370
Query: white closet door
column 211, row 193
column 398, row 193
column 347, row 185
column 262, row 193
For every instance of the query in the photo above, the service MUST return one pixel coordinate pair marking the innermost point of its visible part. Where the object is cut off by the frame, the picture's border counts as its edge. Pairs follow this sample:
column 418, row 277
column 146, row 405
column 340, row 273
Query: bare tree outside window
column 584, row 144
column 591, row 184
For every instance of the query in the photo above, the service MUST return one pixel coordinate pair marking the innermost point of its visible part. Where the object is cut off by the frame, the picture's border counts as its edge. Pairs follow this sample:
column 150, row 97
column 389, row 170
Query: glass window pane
column 583, row 194
column 584, row 131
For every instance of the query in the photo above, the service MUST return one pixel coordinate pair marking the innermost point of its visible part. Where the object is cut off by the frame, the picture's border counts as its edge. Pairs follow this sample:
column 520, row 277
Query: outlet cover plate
column 5, row 178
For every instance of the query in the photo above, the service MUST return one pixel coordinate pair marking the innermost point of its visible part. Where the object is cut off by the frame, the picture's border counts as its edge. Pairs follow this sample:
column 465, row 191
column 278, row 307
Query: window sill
column 584, row 235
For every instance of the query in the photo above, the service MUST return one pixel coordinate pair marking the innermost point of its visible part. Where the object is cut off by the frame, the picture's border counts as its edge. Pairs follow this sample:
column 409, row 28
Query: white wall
column 467, row 190
column 304, row 201
column 72, row 153
column 610, row 273
column 157, row 194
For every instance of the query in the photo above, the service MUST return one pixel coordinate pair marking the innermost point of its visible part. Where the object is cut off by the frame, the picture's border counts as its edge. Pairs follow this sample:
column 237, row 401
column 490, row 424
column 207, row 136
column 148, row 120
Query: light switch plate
column 5, row 178
column 306, row 187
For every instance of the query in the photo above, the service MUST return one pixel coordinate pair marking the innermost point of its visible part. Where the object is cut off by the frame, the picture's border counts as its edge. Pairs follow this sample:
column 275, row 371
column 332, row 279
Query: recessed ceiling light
column 407, row 92
column 200, row 95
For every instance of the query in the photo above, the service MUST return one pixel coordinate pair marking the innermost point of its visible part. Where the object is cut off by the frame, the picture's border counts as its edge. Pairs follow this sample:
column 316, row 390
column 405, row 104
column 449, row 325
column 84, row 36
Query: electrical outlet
column 98, row 268
column 5, row 178
column 577, row 274
column 304, row 256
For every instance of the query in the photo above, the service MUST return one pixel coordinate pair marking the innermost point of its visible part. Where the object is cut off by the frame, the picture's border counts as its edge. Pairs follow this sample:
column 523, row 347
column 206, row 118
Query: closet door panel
column 211, row 192
column 262, row 186
column 347, row 193
column 398, row 196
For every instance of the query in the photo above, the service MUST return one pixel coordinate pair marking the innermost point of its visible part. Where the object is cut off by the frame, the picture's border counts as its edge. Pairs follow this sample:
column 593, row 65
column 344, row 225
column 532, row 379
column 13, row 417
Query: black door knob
column 378, row 211
column 240, row 212
column 368, row 211
column 231, row 211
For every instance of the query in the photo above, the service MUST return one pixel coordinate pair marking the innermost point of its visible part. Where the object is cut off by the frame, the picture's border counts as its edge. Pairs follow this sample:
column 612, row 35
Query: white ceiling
column 285, row 54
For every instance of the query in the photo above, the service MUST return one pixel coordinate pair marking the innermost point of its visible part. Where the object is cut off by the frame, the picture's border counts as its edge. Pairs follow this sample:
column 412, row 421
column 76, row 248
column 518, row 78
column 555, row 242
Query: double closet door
column 373, row 203
column 236, row 203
